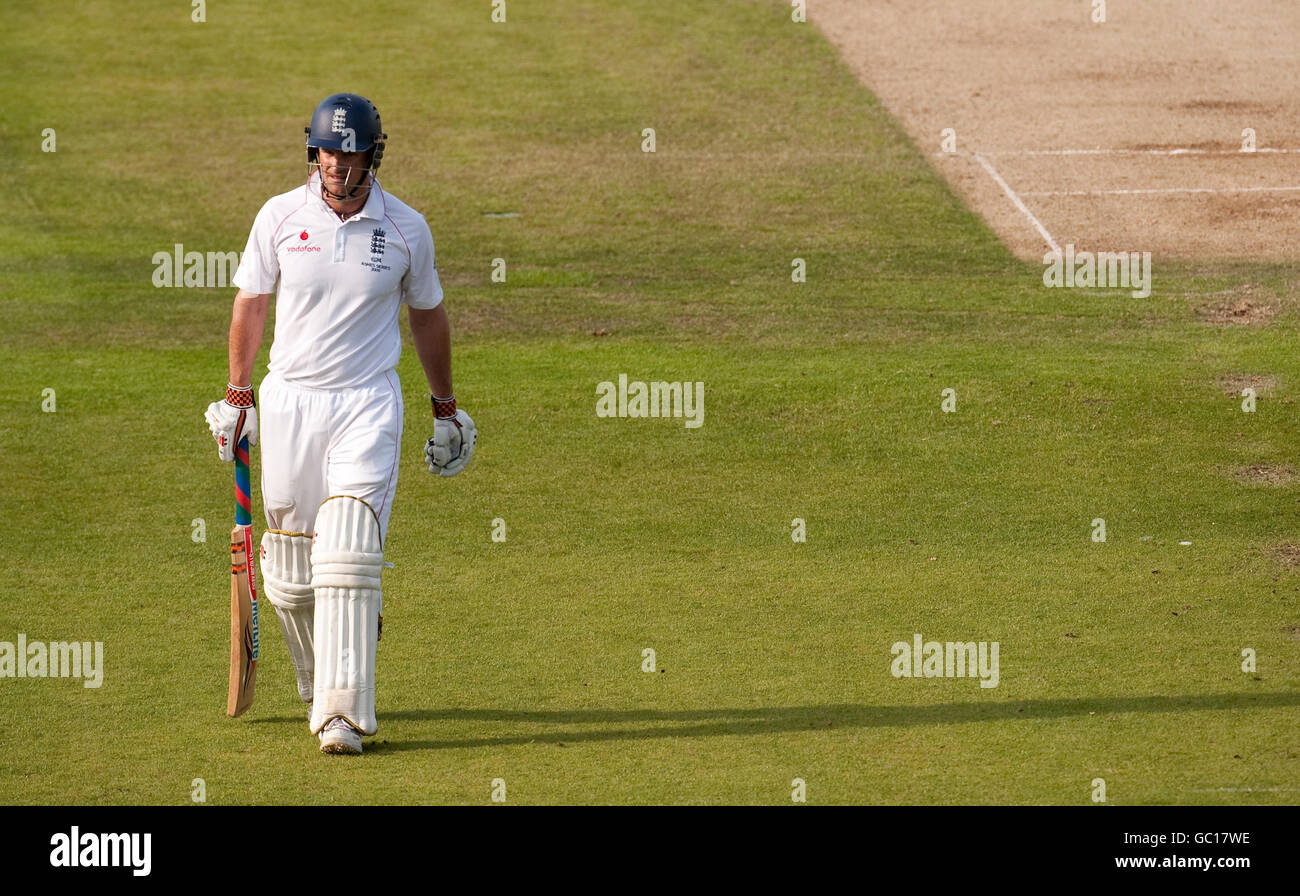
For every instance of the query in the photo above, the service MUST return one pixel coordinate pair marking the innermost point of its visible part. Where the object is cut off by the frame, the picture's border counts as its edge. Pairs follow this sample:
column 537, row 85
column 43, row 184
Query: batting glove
column 454, row 434
column 232, row 418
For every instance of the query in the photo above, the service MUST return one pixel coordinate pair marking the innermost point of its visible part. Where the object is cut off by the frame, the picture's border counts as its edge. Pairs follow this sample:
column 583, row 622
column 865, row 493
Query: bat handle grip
column 243, row 492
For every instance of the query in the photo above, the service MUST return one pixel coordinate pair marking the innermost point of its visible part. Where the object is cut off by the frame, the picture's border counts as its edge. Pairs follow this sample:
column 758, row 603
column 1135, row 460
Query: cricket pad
column 347, row 559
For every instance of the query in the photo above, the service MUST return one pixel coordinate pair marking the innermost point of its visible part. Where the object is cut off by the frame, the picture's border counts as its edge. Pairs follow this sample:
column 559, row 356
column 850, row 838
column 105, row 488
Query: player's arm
column 235, row 415
column 247, row 325
column 431, row 333
column 454, row 433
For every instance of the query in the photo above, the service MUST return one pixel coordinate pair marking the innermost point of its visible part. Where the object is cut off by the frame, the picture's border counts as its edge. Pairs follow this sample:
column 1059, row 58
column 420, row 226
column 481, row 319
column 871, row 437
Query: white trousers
column 319, row 443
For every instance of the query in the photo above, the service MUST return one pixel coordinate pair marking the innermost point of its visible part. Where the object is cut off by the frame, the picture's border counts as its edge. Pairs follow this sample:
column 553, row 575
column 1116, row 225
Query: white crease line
column 1011, row 194
column 1132, row 152
column 1159, row 191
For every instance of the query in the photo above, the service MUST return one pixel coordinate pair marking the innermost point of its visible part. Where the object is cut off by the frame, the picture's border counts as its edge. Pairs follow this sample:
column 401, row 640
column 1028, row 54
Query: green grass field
column 522, row 660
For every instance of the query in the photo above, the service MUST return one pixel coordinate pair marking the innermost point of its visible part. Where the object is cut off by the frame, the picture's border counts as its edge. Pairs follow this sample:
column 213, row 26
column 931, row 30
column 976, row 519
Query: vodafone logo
column 300, row 248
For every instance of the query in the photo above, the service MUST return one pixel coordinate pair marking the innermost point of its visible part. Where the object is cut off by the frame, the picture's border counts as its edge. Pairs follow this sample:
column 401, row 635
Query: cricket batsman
column 340, row 256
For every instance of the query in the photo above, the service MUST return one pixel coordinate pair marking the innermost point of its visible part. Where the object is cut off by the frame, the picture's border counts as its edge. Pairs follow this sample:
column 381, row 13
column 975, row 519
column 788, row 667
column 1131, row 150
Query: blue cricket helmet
column 346, row 122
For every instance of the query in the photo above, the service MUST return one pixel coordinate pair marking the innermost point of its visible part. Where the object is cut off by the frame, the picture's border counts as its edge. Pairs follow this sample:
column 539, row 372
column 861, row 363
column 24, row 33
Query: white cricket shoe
column 340, row 738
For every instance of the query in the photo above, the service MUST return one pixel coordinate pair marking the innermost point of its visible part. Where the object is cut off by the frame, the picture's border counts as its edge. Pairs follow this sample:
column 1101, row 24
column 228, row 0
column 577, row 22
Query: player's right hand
column 232, row 418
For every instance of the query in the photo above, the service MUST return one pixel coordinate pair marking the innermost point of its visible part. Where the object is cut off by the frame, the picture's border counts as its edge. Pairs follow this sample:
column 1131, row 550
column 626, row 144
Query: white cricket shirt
column 339, row 284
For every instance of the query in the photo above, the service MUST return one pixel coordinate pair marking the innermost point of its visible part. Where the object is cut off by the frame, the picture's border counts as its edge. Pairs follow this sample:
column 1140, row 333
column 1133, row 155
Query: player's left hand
column 452, row 445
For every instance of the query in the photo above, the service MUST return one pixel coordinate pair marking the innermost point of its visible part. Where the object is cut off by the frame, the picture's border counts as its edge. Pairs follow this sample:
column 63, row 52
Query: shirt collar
column 374, row 208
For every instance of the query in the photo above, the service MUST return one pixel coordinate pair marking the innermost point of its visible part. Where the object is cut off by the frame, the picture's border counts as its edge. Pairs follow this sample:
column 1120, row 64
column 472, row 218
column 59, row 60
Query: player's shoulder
column 285, row 203
column 402, row 214
column 287, row 200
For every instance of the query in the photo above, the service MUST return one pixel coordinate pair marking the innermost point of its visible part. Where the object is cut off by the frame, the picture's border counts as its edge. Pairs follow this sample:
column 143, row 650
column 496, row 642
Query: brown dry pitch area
column 1123, row 135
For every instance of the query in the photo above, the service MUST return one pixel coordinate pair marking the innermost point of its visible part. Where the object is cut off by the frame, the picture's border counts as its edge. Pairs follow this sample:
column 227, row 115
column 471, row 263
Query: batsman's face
column 341, row 170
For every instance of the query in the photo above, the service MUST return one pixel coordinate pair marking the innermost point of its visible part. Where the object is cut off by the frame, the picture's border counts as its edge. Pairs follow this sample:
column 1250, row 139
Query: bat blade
column 243, row 592
column 243, row 625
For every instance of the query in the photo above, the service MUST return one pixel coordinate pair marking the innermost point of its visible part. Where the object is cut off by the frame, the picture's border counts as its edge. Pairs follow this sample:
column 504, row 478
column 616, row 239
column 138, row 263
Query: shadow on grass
column 642, row 724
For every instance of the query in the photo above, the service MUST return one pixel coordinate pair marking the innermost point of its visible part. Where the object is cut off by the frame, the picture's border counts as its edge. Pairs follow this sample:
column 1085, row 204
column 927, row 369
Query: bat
column 243, row 593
